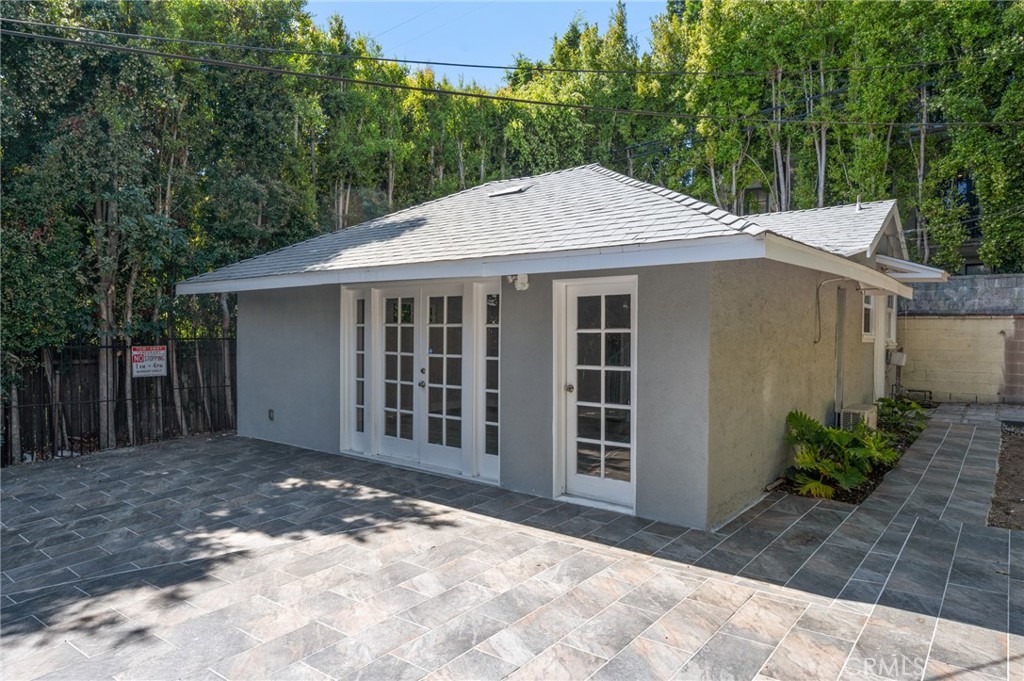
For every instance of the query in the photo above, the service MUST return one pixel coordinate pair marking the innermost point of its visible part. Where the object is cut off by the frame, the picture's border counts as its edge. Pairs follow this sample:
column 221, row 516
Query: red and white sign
column 149, row 360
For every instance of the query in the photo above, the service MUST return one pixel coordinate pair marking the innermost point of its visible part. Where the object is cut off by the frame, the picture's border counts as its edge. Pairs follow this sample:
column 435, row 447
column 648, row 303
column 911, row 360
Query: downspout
column 840, row 335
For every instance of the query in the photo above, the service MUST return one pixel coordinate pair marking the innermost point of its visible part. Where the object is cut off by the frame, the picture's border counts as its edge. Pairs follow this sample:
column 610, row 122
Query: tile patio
column 237, row 559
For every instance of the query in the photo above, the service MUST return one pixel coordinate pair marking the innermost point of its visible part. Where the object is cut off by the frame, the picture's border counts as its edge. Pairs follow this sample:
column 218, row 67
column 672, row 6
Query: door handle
column 569, row 387
column 422, row 384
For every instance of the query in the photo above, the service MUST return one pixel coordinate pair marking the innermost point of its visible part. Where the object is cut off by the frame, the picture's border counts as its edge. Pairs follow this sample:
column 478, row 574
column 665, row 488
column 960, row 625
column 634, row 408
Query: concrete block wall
column 964, row 358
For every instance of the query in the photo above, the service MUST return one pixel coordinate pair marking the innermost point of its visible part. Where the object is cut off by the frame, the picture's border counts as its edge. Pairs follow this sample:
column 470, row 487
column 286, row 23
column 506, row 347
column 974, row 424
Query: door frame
column 560, row 377
column 369, row 444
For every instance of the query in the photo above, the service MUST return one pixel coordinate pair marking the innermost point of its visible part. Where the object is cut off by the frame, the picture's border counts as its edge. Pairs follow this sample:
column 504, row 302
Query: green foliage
column 123, row 174
column 829, row 458
column 901, row 420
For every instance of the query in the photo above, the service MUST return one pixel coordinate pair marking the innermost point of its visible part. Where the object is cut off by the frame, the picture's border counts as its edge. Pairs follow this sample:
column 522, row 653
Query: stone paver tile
column 451, row 603
column 726, row 657
column 689, row 625
column 721, row 594
column 763, row 619
column 560, row 662
column 611, row 630
column 440, row 646
column 474, row 665
column 263, row 660
column 191, row 658
column 524, row 640
column 300, row 671
column 107, row 664
column 387, row 668
column 974, row 606
column 203, row 626
column 387, row 635
column 661, row 593
column 437, row 556
column 970, row 647
column 437, row 581
column 569, row 572
column 358, row 616
column 834, row 621
column 341, row 658
column 883, row 646
column 632, row 569
column 520, row 600
column 941, row 671
column 42, row 662
column 804, row 654
column 380, row 580
column 643, row 659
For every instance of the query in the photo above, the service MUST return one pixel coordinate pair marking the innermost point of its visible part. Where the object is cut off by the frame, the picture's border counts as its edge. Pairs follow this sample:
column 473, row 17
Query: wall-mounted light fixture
column 520, row 281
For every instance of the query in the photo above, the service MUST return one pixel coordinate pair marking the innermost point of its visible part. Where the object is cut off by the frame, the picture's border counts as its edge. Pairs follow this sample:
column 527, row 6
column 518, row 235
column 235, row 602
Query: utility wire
column 534, row 68
column 460, row 93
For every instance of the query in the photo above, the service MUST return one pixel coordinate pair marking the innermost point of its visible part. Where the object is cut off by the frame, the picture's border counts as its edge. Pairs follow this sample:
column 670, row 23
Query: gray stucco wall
column 672, row 383
column 289, row 361
column 764, row 363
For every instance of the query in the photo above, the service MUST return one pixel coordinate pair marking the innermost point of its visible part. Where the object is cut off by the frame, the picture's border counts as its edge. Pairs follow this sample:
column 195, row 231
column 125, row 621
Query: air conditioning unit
column 852, row 415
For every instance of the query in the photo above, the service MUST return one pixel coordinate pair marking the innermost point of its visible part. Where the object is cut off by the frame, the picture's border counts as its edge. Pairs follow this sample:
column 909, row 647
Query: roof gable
column 845, row 230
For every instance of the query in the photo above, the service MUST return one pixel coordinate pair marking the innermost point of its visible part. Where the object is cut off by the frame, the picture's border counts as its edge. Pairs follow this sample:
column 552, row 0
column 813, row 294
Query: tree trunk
column 391, row 179
column 60, row 430
column 15, row 433
column 201, row 385
column 172, row 353
column 922, row 227
column 462, row 165
column 225, row 329
column 129, row 397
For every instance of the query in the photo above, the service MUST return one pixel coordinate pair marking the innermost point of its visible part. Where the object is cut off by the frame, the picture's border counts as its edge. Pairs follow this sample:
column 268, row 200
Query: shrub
column 902, row 420
column 826, row 458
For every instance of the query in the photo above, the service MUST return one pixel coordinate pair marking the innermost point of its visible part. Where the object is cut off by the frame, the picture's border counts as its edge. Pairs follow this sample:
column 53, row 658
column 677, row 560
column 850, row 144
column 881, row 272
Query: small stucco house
column 578, row 335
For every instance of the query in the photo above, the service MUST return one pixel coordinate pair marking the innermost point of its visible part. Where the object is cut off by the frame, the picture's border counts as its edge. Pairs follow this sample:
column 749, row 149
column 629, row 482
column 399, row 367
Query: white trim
column 413, row 466
column 707, row 249
column 907, row 271
column 870, row 305
column 890, row 320
column 792, row 252
column 561, row 290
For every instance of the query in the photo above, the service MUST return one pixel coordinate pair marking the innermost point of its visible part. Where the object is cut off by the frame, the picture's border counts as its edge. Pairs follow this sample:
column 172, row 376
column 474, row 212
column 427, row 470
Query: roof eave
column 706, row 249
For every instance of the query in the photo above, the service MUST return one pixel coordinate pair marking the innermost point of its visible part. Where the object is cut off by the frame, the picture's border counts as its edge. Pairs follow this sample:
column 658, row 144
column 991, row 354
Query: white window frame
column 869, row 305
column 890, row 319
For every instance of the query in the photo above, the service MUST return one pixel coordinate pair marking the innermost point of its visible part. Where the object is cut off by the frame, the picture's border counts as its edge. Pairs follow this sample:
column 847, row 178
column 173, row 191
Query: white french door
column 599, row 414
column 422, row 377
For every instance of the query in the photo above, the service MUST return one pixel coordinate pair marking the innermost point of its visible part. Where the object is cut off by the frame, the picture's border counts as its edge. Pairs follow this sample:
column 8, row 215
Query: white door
column 423, row 376
column 599, row 389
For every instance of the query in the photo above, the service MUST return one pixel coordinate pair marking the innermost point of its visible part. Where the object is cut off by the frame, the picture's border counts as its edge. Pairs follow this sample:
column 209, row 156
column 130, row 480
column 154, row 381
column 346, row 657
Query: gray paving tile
column 804, row 654
column 642, row 659
column 763, row 619
column 387, row 668
column 611, row 630
column 440, row 646
column 726, row 657
column 264, row 660
column 560, row 662
column 688, row 626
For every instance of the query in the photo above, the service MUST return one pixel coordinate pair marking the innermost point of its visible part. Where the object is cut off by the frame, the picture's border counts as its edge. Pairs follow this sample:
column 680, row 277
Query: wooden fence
column 83, row 398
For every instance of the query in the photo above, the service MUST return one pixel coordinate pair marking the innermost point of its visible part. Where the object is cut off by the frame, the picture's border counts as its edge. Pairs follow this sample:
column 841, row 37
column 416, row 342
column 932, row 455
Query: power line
column 460, row 93
column 515, row 67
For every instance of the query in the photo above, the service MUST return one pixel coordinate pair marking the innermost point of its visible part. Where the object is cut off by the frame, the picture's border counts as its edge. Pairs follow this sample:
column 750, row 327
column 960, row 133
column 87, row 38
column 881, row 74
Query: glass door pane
column 399, row 370
column 598, row 397
column 444, row 371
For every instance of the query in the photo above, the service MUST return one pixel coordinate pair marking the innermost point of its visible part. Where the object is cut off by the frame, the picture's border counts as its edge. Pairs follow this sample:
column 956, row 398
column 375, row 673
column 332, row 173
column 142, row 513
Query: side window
column 890, row 318
column 868, row 327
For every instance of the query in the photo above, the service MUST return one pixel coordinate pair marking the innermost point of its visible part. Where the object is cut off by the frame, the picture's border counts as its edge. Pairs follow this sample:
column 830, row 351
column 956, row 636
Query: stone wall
column 964, row 339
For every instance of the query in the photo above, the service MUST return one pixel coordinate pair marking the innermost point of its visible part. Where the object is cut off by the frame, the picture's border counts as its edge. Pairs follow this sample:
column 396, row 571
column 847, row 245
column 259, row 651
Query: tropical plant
column 901, row 420
column 828, row 458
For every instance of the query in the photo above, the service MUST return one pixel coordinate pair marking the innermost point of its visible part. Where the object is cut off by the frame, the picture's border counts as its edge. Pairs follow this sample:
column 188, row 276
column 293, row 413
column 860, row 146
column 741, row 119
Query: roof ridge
column 740, row 224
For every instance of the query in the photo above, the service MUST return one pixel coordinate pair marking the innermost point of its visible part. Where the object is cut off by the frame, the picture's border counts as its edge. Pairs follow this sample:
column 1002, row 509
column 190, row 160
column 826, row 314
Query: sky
column 476, row 32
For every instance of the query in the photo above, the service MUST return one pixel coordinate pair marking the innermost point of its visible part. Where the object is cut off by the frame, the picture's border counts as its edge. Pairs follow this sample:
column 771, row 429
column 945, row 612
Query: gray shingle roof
column 584, row 207
column 587, row 207
column 842, row 230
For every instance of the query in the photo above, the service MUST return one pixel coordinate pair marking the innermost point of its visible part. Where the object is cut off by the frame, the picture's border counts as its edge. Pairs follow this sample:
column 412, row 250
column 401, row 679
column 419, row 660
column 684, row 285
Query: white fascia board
column 792, row 252
column 906, row 270
column 708, row 249
column 893, row 213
